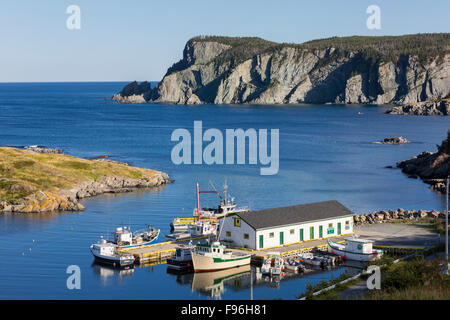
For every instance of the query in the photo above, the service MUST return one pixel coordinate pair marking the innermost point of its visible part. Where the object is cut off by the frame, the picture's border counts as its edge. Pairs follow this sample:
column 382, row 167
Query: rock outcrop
column 353, row 70
column 394, row 140
column 68, row 200
column 426, row 108
column 431, row 167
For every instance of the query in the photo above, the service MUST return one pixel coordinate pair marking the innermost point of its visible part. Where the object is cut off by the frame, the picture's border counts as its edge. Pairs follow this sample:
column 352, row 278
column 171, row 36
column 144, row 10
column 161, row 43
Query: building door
column 320, row 231
column 301, row 234
column 339, row 228
column 311, row 233
column 261, row 241
column 281, row 238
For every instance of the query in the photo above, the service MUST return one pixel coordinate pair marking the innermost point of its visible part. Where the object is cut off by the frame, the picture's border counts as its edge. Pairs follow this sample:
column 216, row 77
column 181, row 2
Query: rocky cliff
column 354, row 70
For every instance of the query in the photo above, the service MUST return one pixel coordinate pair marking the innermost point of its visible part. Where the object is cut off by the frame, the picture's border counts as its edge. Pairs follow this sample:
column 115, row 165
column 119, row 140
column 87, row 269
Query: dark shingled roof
column 294, row 214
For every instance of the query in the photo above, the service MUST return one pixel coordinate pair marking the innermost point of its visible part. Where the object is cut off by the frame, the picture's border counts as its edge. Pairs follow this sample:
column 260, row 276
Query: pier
column 393, row 239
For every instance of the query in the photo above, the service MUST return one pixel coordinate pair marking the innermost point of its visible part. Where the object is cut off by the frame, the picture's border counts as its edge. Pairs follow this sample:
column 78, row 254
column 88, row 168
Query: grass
column 23, row 172
column 416, row 279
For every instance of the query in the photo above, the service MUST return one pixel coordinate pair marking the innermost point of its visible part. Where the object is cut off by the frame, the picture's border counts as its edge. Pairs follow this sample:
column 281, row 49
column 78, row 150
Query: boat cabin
column 104, row 248
column 214, row 249
column 202, row 228
column 359, row 245
column 123, row 236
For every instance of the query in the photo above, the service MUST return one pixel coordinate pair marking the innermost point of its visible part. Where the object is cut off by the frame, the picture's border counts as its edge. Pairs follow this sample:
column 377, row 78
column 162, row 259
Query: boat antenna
column 214, row 188
column 198, row 203
column 225, row 188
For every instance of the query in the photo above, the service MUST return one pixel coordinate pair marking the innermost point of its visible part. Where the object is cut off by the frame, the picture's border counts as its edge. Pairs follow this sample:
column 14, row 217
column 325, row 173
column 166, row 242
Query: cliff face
column 213, row 71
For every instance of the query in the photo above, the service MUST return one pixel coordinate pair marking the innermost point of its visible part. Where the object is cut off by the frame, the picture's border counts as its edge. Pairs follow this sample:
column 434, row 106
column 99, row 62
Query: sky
column 139, row 39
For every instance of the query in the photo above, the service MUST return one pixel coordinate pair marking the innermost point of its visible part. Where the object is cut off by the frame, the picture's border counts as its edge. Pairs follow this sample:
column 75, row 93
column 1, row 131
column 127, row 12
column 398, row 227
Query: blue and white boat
column 125, row 239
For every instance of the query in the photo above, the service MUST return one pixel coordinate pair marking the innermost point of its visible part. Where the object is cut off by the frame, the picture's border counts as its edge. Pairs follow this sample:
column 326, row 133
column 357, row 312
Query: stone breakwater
column 393, row 215
column 68, row 200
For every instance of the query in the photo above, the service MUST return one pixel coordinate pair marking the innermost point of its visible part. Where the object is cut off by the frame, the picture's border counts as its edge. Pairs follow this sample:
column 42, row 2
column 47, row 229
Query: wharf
column 393, row 238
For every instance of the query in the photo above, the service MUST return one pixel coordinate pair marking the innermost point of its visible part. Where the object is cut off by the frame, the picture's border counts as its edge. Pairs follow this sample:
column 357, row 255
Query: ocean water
column 326, row 152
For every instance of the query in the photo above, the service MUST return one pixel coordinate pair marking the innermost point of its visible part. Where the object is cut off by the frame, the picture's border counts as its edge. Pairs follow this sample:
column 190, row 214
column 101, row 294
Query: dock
column 160, row 252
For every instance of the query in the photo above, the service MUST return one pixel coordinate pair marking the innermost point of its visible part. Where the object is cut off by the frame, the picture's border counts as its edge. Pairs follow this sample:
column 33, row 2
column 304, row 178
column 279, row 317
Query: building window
column 330, row 229
column 237, row 222
column 347, row 225
column 292, row 231
column 228, row 234
column 271, row 235
column 245, row 235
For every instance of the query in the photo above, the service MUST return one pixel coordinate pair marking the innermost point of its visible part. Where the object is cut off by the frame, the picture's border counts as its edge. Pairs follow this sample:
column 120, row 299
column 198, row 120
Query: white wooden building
column 282, row 226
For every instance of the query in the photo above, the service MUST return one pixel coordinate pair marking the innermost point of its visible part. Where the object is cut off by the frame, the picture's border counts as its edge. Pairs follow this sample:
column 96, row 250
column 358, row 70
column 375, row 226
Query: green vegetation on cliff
column 386, row 48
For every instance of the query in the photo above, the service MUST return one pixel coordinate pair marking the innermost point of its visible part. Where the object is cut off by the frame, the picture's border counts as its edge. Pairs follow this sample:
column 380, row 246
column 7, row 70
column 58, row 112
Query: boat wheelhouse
column 226, row 206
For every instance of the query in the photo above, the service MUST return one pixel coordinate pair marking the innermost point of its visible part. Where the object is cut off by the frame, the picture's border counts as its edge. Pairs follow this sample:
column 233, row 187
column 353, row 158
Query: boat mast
column 198, row 202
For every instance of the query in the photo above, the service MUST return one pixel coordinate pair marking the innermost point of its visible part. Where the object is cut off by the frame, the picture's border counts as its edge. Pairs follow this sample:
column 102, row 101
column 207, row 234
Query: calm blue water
column 326, row 152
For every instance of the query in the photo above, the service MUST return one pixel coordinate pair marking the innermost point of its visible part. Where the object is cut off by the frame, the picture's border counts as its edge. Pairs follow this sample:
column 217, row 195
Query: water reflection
column 107, row 273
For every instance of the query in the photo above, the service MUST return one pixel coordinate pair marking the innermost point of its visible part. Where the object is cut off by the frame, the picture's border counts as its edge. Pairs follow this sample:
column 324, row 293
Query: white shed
column 282, row 226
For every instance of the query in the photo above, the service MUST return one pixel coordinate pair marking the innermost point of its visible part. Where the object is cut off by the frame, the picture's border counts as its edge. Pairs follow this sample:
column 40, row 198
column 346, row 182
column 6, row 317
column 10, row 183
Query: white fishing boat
column 196, row 229
column 107, row 252
column 214, row 256
column 226, row 206
column 273, row 264
column 294, row 265
column 182, row 259
column 309, row 259
column 355, row 249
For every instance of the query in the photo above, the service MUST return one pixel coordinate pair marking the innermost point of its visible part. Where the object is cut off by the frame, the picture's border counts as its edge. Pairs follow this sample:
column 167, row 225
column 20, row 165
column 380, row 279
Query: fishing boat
column 196, row 229
column 355, row 249
column 182, row 260
column 107, row 253
column 226, row 206
column 125, row 239
column 214, row 256
column 310, row 259
column 294, row 265
column 273, row 264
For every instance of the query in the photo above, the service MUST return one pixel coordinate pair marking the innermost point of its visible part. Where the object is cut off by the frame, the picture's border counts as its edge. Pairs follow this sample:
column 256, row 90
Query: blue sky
column 139, row 40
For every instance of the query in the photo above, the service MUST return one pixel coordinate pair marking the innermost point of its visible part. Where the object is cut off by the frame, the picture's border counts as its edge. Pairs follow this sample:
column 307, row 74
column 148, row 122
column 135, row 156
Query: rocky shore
column 57, row 182
column 427, row 108
column 393, row 215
